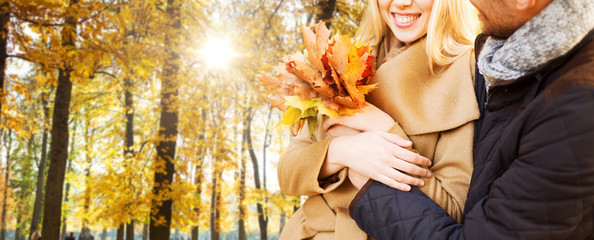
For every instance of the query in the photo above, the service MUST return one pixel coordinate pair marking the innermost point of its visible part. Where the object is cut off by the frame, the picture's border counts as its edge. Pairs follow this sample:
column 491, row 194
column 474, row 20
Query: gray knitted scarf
column 552, row 33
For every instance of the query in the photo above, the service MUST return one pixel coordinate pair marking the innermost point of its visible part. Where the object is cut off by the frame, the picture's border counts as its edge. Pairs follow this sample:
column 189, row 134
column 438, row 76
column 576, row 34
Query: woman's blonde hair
column 453, row 25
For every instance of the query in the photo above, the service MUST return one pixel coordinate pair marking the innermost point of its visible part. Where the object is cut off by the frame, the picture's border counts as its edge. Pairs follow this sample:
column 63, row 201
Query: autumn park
column 144, row 119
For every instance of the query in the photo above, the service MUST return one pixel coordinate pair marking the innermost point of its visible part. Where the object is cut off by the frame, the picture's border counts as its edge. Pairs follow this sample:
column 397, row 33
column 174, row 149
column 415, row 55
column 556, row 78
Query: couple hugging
column 488, row 137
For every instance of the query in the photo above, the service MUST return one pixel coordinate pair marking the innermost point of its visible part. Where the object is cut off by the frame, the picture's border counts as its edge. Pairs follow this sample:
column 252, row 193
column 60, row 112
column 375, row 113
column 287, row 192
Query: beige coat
column 436, row 112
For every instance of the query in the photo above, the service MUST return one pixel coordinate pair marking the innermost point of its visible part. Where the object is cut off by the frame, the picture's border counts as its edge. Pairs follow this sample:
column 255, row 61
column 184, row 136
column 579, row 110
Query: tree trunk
column 262, row 219
column 242, row 190
column 67, row 192
column 129, row 141
column 217, row 174
column 59, row 144
column 19, row 229
column 104, row 234
column 64, row 222
column 88, row 134
column 198, row 174
column 22, row 209
column 37, row 206
column 130, row 230
column 267, row 142
column 166, row 153
column 4, row 18
column 218, row 203
column 129, row 111
column 283, row 219
column 6, row 182
column 144, row 232
column 167, row 130
column 120, row 232
column 195, row 233
column 198, row 180
column 214, row 206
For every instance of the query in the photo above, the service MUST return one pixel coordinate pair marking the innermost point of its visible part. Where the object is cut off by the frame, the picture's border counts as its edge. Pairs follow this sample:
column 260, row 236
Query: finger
column 403, row 178
column 411, row 157
column 409, row 168
column 407, row 155
column 329, row 122
column 393, row 184
column 395, row 139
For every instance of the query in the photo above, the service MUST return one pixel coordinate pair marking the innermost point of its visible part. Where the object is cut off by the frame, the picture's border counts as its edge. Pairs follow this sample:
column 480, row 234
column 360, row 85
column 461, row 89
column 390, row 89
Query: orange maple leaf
column 330, row 78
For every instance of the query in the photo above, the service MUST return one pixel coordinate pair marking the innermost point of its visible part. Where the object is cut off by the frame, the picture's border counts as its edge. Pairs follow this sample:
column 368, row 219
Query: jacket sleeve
column 451, row 167
column 546, row 193
column 300, row 165
column 452, row 170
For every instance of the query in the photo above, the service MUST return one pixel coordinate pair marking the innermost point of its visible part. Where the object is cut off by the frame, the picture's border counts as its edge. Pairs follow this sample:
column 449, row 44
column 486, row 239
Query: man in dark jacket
column 534, row 144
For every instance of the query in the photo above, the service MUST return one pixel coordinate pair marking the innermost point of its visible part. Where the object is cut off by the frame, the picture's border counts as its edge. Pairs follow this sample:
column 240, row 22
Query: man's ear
column 523, row 5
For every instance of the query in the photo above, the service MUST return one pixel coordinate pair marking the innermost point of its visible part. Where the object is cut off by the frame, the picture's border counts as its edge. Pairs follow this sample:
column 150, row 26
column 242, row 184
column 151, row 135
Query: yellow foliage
column 121, row 46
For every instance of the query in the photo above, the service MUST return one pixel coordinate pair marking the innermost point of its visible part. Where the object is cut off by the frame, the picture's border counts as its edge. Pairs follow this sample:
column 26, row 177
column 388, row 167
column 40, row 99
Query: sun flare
column 217, row 53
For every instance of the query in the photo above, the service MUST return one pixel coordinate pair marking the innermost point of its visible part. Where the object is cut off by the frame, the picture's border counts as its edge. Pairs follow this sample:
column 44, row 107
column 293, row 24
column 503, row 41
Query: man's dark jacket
column 533, row 164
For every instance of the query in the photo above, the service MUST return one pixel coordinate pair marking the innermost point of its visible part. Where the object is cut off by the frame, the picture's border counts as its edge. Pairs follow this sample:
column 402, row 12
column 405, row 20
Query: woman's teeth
column 406, row 18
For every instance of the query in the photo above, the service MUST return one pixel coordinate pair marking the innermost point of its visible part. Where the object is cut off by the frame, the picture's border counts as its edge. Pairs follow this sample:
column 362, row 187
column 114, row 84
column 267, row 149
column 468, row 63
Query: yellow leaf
column 290, row 116
column 327, row 111
column 310, row 112
column 365, row 89
column 312, row 123
column 297, row 102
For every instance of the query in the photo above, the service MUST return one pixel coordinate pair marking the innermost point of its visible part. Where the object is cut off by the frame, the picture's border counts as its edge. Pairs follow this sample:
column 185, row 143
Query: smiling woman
column 217, row 53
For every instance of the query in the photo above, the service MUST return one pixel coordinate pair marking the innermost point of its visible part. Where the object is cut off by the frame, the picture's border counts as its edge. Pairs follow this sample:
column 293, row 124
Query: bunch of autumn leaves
column 331, row 77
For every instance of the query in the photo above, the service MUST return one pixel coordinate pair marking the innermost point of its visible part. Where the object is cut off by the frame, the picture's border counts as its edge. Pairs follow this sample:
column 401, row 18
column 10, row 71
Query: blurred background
column 130, row 119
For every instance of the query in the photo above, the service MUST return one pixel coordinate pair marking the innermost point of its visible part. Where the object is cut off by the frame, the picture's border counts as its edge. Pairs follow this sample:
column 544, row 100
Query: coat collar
column 421, row 102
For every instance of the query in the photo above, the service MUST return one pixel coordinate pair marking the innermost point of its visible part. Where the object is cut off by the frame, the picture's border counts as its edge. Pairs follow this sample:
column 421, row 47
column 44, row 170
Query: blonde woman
column 426, row 95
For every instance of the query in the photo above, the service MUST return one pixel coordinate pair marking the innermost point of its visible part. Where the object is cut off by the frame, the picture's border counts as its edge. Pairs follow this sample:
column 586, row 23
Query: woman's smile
column 408, row 20
column 405, row 20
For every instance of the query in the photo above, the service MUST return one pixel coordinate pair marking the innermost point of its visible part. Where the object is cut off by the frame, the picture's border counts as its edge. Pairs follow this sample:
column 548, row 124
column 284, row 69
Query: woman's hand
column 369, row 119
column 357, row 179
column 378, row 155
column 363, row 145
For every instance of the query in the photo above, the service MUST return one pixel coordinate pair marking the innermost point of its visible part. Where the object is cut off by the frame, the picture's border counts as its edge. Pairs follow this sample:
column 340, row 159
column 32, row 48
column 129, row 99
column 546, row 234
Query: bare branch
column 274, row 13
column 95, row 15
column 106, row 73
column 21, row 57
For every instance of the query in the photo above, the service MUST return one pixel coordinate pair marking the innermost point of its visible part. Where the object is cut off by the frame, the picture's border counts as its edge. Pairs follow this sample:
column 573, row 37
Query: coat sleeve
column 452, row 170
column 546, row 193
column 300, row 165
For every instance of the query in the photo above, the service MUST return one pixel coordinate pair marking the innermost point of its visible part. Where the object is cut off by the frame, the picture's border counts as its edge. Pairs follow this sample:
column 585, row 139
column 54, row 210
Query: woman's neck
column 390, row 47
